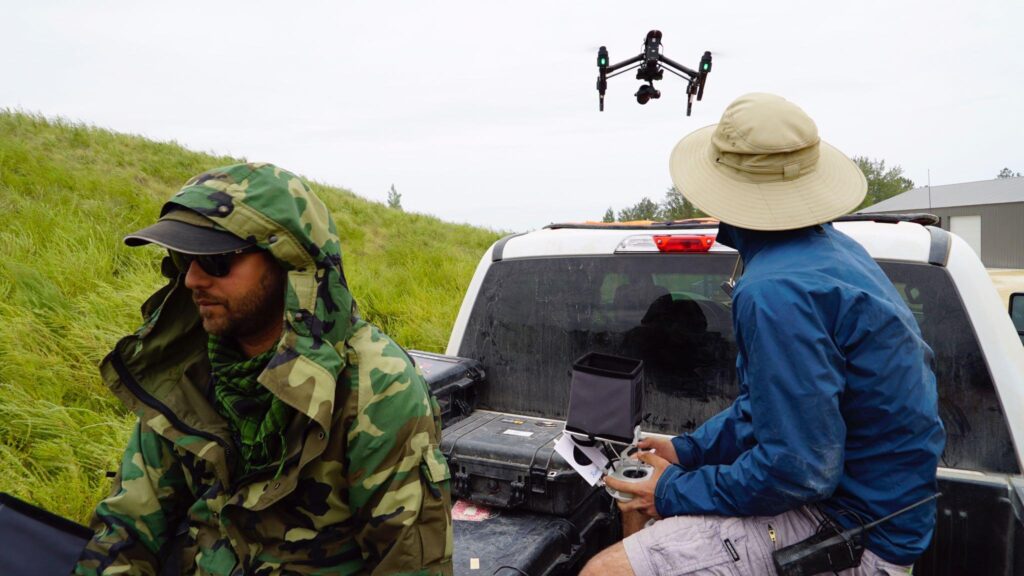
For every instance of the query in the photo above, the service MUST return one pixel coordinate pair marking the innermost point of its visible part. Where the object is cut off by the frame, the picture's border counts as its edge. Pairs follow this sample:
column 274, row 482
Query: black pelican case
column 509, row 462
column 518, row 542
column 452, row 381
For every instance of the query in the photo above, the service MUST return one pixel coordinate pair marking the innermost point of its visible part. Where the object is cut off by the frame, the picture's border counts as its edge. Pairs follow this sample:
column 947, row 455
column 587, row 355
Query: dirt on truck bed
column 1007, row 281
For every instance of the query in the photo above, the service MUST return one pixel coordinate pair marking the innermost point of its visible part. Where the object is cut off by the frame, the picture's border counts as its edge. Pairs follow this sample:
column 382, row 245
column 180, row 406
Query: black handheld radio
column 827, row 552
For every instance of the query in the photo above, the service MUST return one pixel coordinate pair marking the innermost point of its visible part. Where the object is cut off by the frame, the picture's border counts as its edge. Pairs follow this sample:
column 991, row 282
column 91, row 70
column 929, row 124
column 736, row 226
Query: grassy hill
column 69, row 289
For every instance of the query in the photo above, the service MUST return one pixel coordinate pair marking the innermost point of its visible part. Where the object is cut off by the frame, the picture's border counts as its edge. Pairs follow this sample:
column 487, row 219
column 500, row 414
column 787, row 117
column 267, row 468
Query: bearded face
column 246, row 305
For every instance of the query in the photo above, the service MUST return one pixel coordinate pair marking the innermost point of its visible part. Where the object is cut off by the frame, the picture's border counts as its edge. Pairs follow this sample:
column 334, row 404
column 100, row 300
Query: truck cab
column 653, row 291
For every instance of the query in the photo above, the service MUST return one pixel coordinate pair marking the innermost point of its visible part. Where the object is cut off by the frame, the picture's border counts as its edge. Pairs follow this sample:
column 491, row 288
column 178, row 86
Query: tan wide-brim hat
column 763, row 167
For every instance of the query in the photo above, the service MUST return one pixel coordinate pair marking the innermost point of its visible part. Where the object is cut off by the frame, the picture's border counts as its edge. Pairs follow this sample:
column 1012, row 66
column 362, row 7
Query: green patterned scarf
column 256, row 416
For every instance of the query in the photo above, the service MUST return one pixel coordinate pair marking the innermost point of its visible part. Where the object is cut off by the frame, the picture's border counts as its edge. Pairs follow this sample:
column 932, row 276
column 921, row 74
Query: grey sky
column 486, row 112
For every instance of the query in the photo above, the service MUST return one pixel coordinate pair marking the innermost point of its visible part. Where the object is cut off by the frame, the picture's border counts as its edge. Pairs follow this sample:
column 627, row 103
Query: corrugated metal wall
column 1002, row 231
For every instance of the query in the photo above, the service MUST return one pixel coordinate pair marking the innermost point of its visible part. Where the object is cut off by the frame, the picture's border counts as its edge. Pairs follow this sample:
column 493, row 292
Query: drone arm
column 623, row 71
column 684, row 77
column 673, row 64
column 613, row 67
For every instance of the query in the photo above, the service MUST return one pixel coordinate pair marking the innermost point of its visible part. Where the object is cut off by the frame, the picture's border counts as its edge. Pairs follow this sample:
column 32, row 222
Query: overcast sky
column 486, row 112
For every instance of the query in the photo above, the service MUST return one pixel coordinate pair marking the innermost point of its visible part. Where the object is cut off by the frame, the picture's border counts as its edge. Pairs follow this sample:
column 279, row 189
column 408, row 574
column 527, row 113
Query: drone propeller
column 723, row 54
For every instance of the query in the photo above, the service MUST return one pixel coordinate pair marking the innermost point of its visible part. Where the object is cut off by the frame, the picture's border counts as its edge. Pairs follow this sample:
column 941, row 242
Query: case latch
column 538, row 480
column 460, row 483
column 518, row 495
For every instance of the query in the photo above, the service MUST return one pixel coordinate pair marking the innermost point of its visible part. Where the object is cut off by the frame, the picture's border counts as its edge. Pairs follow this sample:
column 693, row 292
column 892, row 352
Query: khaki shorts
column 718, row 545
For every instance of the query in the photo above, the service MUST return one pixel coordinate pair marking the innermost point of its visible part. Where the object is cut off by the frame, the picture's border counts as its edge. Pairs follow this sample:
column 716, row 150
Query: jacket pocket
column 434, row 466
column 705, row 545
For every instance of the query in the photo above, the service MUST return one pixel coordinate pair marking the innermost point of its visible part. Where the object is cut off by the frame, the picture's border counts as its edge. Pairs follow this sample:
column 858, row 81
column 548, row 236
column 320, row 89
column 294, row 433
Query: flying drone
column 651, row 65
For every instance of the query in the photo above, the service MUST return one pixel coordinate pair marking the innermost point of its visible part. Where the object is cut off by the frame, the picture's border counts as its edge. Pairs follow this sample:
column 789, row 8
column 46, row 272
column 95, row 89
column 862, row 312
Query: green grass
column 69, row 289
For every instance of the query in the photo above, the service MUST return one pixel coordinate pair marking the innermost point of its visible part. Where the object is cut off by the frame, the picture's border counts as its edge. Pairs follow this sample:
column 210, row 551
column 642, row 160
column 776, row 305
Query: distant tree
column 394, row 198
column 1007, row 173
column 609, row 216
column 645, row 209
column 677, row 207
column 882, row 183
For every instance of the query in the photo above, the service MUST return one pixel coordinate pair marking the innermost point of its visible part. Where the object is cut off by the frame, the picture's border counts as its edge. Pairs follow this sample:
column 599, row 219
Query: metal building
column 988, row 214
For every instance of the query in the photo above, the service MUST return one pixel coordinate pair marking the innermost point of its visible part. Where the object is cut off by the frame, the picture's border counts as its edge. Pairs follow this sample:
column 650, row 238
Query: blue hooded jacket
column 837, row 402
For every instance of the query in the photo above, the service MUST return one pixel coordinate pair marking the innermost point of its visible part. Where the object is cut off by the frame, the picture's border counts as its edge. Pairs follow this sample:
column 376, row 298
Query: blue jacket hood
column 749, row 242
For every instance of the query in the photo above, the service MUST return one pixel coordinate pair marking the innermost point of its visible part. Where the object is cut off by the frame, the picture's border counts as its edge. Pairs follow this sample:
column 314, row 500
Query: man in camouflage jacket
column 360, row 486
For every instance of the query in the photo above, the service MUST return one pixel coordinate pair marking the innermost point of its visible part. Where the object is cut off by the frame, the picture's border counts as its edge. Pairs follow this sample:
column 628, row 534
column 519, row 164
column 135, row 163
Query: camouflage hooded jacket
column 364, row 487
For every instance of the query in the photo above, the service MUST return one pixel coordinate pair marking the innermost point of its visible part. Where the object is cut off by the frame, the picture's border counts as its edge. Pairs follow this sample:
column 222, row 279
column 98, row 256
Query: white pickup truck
column 652, row 291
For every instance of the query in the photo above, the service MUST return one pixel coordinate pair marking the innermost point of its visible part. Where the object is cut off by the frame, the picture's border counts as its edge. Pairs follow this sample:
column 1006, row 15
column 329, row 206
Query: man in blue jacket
column 837, row 419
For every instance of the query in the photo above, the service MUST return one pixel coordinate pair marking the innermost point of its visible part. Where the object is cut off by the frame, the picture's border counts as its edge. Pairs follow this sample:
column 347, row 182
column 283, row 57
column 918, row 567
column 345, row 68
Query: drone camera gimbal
column 650, row 66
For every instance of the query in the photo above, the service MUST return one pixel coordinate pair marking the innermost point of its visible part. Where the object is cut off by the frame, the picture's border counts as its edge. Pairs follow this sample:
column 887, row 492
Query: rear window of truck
column 534, row 317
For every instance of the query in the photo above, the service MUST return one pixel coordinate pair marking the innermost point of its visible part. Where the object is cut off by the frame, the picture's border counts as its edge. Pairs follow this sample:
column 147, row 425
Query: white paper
column 590, row 472
column 522, row 433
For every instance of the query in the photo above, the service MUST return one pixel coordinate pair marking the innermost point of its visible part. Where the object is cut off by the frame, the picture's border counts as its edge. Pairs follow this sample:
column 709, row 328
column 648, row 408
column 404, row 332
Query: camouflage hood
column 276, row 209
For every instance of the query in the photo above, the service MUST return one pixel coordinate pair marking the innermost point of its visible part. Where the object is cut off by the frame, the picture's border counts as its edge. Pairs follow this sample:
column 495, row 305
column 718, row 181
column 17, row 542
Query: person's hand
column 663, row 447
column 643, row 492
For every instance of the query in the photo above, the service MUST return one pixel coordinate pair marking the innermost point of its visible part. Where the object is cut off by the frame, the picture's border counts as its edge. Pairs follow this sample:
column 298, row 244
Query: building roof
column 999, row 191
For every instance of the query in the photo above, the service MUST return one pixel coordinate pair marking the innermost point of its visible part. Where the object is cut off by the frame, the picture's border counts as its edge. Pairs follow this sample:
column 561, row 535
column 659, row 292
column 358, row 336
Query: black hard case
column 519, row 542
column 452, row 381
column 34, row 541
column 510, row 462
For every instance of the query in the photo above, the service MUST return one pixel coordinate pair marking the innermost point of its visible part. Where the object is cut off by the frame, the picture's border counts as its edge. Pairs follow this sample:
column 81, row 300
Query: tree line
column 883, row 183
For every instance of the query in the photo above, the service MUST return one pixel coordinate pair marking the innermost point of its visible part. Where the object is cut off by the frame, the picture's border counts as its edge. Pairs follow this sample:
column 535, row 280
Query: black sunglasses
column 216, row 265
